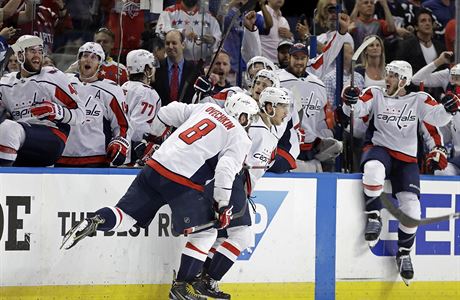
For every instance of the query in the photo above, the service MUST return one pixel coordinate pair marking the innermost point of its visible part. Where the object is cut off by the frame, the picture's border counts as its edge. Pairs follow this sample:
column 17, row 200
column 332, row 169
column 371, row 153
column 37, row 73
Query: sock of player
column 372, row 203
column 405, row 240
column 114, row 219
column 224, row 258
column 6, row 162
column 212, row 251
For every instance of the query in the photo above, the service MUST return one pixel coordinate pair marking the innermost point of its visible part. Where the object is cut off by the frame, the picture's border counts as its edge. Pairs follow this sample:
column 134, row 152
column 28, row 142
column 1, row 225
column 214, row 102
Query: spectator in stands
column 8, row 9
column 365, row 24
column 13, row 64
column 110, row 69
column 48, row 61
column 187, row 16
column 280, row 30
column 421, row 49
column 444, row 10
column 176, row 75
column 221, row 69
column 372, row 66
column 283, row 53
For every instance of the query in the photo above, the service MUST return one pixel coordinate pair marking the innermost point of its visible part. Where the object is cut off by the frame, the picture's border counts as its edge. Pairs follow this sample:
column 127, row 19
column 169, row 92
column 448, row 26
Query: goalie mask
column 241, row 104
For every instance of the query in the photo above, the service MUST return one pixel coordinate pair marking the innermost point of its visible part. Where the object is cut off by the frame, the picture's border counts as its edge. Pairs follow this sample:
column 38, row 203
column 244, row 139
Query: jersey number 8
column 197, row 131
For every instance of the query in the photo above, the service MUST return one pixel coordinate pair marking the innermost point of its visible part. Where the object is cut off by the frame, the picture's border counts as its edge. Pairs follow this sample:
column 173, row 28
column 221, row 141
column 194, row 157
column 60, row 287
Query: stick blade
column 362, row 47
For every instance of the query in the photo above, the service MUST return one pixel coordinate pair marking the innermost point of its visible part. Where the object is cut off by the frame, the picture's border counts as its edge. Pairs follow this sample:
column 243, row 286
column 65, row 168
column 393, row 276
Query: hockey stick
column 409, row 221
column 354, row 59
column 214, row 223
column 246, row 7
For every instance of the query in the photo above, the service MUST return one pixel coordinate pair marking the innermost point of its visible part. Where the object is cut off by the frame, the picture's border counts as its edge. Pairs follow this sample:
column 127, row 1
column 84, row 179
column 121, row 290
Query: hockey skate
column 184, row 291
column 209, row 287
column 405, row 268
column 83, row 229
column 373, row 229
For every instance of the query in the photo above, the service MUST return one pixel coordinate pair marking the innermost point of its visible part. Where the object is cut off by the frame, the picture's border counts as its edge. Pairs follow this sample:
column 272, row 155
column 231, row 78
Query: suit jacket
column 190, row 73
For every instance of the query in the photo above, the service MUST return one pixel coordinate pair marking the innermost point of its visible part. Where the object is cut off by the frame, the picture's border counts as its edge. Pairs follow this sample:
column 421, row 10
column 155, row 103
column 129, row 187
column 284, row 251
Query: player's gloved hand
column 350, row 95
column 117, row 150
column 47, row 110
column 451, row 103
column 224, row 216
column 203, row 85
column 436, row 159
column 341, row 118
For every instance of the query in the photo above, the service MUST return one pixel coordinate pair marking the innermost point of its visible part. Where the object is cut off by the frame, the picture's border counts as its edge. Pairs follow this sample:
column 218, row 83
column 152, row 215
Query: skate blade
column 406, row 281
column 70, row 234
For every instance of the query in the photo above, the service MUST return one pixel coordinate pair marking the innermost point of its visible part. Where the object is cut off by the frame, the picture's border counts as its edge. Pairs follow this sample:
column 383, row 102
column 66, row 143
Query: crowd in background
column 415, row 31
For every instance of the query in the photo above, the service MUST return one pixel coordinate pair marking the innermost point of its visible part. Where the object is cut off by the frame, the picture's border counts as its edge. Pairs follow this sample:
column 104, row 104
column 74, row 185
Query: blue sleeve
column 260, row 23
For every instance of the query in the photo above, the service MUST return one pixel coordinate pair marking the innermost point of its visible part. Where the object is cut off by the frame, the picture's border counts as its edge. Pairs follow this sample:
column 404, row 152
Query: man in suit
column 175, row 76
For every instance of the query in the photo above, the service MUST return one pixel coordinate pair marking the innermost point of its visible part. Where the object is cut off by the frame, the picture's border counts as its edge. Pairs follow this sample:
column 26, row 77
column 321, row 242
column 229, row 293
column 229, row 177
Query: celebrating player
column 391, row 147
column 90, row 145
column 220, row 143
column 43, row 105
column 274, row 104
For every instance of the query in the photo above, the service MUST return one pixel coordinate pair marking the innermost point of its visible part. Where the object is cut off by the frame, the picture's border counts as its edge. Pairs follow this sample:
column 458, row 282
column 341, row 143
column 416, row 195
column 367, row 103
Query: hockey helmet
column 402, row 68
column 266, row 64
column 455, row 70
column 26, row 41
column 92, row 47
column 275, row 96
column 270, row 75
column 240, row 103
column 136, row 60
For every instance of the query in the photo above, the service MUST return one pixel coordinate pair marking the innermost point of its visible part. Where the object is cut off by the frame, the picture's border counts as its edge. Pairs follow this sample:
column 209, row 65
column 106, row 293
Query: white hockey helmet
column 266, row 63
column 26, row 41
column 275, row 96
column 455, row 70
column 270, row 75
column 92, row 47
column 402, row 68
column 136, row 60
column 240, row 103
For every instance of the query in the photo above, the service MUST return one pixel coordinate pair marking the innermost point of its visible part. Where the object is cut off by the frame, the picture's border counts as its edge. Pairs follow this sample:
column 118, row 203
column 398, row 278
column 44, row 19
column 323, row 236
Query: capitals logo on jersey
column 402, row 117
column 311, row 104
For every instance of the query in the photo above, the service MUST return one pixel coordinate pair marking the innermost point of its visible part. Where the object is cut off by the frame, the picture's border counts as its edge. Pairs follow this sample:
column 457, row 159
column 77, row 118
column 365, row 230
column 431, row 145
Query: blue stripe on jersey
column 206, row 171
column 370, row 132
column 285, row 141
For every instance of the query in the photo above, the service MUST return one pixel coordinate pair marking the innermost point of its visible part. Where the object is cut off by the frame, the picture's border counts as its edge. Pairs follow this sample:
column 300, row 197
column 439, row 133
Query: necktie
column 174, row 84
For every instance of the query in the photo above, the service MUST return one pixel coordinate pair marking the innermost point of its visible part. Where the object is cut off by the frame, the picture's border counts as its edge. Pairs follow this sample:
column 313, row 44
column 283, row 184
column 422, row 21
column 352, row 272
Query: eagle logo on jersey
column 400, row 117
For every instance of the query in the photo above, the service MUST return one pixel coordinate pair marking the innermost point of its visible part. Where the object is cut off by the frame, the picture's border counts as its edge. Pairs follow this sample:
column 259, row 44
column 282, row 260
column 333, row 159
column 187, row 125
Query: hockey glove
column 451, row 103
column 117, row 150
column 203, row 85
column 144, row 151
column 224, row 216
column 436, row 159
column 350, row 95
column 47, row 110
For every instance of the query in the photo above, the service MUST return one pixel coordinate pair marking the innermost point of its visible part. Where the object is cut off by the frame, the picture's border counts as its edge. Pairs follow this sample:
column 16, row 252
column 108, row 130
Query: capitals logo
column 401, row 116
column 268, row 203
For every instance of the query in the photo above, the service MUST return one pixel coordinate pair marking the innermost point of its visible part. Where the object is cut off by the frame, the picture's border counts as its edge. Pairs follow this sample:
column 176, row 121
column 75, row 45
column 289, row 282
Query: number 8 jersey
column 207, row 143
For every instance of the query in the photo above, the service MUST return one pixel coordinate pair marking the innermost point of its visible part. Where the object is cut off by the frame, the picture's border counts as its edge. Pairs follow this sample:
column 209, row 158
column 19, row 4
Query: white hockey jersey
column 18, row 94
column 143, row 104
column 207, row 144
column 105, row 106
column 175, row 17
column 394, row 120
column 262, row 152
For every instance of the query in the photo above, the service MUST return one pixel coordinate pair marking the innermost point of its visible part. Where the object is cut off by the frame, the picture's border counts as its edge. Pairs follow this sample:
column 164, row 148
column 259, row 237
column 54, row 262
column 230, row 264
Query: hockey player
column 449, row 80
column 143, row 102
column 274, row 104
column 209, row 142
column 104, row 138
column 391, row 147
column 253, row 66
column 42, row 104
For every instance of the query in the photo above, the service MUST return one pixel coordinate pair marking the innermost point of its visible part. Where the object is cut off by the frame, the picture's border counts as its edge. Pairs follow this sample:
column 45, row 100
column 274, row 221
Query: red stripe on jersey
column 62, row 96
column 6, row 149
column 287, row 156
column 373, row 187
column 365, row 118
column 192, row 247
column 367, row 147
column 77, row 161
column 431, row 101
column 231, row 248
column 59, row 134
column 367, row 96
column 328, row 45
column 306, row 146
column 121, row 118
column 212, row 250
column 173, row 176
column 434, row 133
column 318, row 63
column 402, row 156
